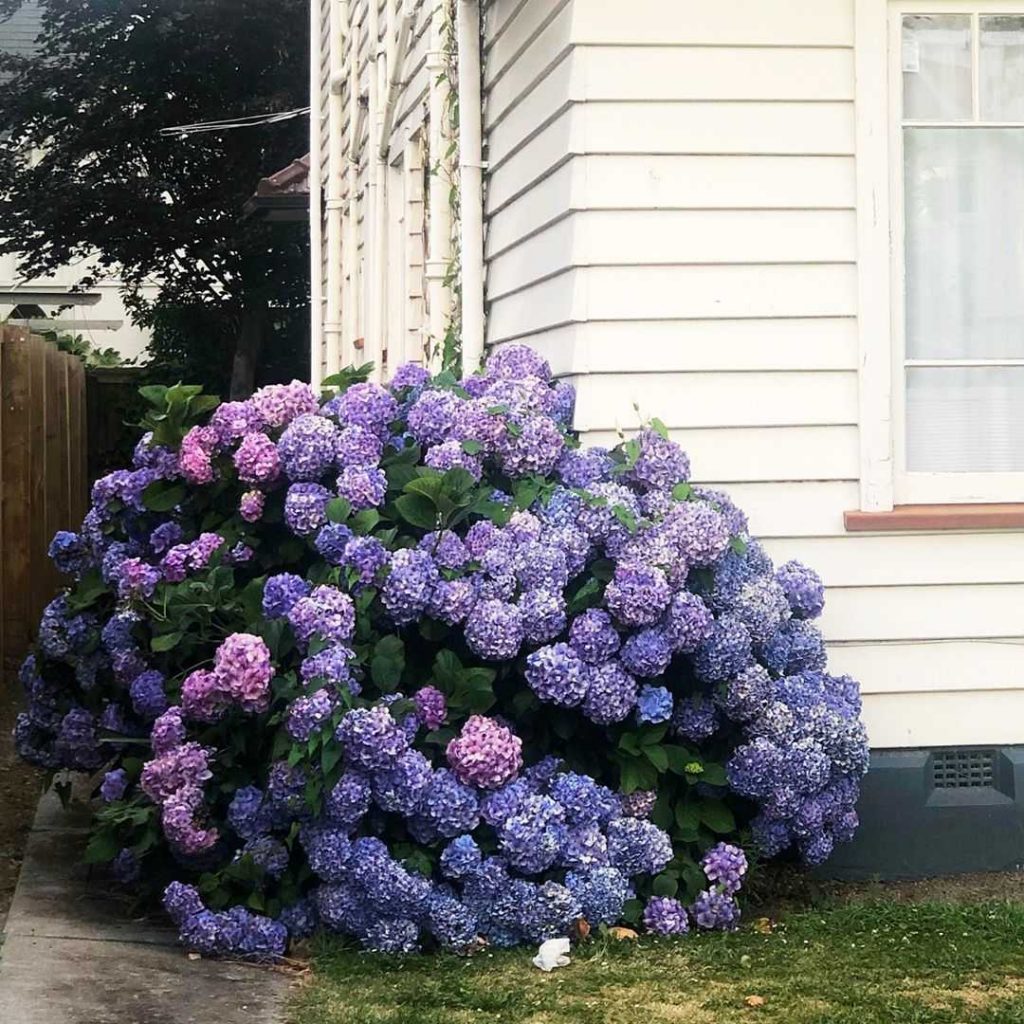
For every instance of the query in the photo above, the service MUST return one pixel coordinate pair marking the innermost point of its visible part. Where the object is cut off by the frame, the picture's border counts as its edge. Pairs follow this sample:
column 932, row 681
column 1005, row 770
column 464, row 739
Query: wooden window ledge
column 939, row 517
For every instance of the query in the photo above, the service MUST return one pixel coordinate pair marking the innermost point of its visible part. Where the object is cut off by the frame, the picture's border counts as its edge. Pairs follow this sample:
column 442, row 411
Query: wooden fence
column 43, row 485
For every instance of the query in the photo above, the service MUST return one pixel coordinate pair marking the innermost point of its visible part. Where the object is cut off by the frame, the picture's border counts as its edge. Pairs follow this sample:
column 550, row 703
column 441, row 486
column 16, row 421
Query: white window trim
column 879, row 159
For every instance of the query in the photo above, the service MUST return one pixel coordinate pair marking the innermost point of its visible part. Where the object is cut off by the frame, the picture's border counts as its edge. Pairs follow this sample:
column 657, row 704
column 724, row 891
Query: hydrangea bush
column 408, row 664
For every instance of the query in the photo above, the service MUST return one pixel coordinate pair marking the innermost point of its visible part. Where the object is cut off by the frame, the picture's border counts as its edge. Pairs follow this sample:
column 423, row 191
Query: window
column 939, row 116
column 956, row 191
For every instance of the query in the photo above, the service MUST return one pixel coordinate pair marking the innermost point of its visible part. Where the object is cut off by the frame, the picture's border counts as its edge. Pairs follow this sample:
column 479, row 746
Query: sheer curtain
column 964, row 249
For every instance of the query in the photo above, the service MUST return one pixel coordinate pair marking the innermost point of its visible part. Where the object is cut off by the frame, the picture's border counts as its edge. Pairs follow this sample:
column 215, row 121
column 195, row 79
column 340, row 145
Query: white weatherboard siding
column 672, row 220
column 373, row 299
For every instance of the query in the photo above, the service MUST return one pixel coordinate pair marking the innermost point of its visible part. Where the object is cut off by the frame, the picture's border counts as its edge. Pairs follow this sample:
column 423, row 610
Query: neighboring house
column 794, row 231
column 52, row 303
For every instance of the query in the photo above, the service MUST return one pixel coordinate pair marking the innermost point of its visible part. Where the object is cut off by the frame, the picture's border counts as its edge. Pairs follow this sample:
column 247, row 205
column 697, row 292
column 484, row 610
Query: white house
column 55, row 302
column 794, row 231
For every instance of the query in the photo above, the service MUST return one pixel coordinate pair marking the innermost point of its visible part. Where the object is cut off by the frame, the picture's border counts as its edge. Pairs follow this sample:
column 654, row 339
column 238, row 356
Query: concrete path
column 71, row 954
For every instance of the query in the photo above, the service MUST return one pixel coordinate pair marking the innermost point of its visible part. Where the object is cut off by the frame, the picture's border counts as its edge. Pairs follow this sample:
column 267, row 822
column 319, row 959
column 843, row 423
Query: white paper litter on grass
column 551, row 954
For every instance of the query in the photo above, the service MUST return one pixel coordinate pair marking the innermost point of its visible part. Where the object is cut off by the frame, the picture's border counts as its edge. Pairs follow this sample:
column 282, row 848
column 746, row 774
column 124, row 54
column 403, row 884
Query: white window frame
column 884, row 479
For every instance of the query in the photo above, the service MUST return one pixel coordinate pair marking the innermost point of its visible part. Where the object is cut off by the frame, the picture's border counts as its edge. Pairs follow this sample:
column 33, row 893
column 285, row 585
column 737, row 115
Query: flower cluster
column 406, row 663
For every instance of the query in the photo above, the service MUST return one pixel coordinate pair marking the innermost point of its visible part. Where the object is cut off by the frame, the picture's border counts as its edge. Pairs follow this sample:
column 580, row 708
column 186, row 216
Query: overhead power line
column 230, row 124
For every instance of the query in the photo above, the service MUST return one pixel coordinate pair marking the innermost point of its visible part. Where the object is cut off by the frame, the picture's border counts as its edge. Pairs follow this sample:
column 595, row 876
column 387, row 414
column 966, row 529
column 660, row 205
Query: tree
column 91, row 103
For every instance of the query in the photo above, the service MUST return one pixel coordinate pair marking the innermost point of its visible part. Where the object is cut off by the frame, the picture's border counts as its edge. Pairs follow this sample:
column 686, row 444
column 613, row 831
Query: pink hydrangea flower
column 485, row 753
column 257, row 460
column 243, row 669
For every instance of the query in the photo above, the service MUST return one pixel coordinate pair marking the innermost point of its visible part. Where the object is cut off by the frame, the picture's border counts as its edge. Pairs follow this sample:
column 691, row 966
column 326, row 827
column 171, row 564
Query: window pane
column 965, row 419
column 936, row 61
column 964, row 215
column 1002, row 68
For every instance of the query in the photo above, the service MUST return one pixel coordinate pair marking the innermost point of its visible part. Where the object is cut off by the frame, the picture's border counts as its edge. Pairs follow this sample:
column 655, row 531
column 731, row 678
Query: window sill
column 939, row 517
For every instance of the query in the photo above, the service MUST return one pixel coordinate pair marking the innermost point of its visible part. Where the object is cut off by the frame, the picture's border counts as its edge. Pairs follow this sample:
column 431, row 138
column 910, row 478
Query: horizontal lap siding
column 672, row 222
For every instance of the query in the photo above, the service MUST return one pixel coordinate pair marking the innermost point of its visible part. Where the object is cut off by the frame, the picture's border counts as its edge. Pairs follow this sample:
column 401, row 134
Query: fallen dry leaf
column 764, row 926
column 622, row 933
column 754, row 1000
column 582, row 928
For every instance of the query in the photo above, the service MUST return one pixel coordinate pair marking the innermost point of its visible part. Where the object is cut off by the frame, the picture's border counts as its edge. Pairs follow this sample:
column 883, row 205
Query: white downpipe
column 335, row 180
column 396, row 63
column 316, row 255
column 471, row 185
column 376, row 213
column 356, row 116
column 439, row 225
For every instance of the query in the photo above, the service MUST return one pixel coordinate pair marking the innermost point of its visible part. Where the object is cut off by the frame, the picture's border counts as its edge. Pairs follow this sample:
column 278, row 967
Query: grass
column 868, row 962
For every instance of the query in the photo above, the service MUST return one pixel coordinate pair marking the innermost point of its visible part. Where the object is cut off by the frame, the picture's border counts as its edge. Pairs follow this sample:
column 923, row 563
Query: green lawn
column 868, row 962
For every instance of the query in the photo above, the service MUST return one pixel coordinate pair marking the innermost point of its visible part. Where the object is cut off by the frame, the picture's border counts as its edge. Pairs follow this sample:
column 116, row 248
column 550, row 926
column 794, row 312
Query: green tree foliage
column 89, row 105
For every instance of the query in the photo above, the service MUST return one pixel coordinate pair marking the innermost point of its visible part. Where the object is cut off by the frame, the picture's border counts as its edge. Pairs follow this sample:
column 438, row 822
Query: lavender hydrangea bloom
column 363, row 486
column 638, row 847
column 373, row 740
column 664, row 915
column 803, row 589
column 695, row 718
column 494, row 630
column 325, row 612
column 637, row 595
column 147, row 692
column 408, row 587
column 369, row 406
column 431, row 706
column 308, row 447
column 451, row 455
column 557, row 674
column 258, row 460
column 305, row 508
column 514, row 361
column 715, row 910
column 358, row 446
column 725, row 865
column 115, row 783
column 431, row 416
column 543, row 615
column 611, row 693
column 660, row 463
column 331, row 542
column 593, row 636
column 647, row 652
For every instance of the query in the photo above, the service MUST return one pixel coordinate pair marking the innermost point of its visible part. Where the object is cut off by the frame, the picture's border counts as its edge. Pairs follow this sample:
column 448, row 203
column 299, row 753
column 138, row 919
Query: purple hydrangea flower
column 494, row 630
column 363, row 486
column 431, row 706
column 407, row 590
column 367, row 405
column 664, row 915
column 637, row 594
column 557, row 675
column 115, row 783
column 695, row 718
column 611, row 693
column 308, row 447
column 326, row 612
column 278, row 404
column 358, row 446
column 305, row 508
column 725, row 865
column 373, row 740
column 716, row 911
column 647, row 652
column 147, row 692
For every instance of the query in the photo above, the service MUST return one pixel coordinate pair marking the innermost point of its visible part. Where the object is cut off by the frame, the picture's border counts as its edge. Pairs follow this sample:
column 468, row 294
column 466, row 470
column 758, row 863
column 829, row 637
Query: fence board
column 42, row 476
